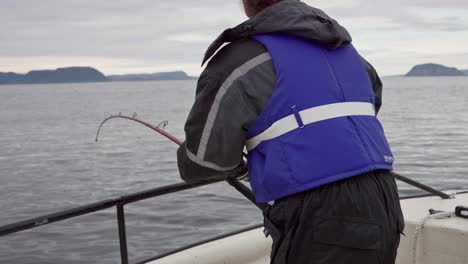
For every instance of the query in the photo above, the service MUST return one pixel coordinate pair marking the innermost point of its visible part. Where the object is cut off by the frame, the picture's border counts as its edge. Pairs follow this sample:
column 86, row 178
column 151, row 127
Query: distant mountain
column 61, row 75
column 431, row 69
column 11, row 78
column 465, row 72
column 85, row 74
column 161, row 76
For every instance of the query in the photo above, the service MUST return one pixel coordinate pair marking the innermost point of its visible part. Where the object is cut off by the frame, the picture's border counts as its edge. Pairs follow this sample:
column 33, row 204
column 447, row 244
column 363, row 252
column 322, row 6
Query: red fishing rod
column 244, row 190
column 135, row 119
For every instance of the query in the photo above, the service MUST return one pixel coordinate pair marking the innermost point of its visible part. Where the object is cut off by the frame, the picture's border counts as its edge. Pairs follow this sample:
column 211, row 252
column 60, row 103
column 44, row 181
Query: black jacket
column 238, row 82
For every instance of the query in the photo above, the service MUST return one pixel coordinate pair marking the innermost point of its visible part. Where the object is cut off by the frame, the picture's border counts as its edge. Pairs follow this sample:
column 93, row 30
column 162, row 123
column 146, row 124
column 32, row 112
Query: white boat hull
column 440, row 241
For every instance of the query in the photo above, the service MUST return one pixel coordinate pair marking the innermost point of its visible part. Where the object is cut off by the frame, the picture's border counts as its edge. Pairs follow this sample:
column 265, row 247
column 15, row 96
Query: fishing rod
column 241, row 187
column 135, row 119
column 234, row 182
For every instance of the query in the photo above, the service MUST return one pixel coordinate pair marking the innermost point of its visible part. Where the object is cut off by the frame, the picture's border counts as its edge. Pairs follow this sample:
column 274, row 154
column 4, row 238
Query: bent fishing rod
column 234, row 182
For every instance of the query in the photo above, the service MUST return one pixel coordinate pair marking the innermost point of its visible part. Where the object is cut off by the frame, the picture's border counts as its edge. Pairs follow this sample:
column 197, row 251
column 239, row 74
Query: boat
column 436, row 229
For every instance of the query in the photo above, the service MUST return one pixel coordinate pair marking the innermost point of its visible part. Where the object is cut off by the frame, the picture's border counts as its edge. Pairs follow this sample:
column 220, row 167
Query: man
column 292, row 89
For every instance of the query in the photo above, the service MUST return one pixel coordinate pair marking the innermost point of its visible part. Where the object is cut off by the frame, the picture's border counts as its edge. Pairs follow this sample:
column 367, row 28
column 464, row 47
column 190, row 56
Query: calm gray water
column 49, row 161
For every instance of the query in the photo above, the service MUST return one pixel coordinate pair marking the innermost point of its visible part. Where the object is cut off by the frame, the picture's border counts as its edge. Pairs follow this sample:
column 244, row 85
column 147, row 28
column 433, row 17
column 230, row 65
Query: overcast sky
column 136, row 36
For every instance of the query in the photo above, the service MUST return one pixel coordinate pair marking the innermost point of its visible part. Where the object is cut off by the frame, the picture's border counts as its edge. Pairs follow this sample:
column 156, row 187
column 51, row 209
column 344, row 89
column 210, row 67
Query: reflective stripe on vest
column 310, row 116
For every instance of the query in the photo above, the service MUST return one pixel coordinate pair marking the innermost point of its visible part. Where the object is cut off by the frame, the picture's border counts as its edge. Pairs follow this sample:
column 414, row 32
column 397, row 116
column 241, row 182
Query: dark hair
column 259, row 5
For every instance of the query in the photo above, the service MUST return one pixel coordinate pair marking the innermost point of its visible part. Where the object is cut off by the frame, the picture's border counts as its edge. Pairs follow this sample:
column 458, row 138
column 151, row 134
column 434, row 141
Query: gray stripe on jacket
column 207, row 164
column 236, row 74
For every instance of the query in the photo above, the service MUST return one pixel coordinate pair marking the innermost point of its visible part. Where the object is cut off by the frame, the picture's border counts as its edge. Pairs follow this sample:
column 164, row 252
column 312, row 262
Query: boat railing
column 120, row 202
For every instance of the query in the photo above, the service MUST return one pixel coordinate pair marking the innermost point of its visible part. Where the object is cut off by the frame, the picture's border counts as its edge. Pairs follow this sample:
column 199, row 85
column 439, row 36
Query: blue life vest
column 320, row 124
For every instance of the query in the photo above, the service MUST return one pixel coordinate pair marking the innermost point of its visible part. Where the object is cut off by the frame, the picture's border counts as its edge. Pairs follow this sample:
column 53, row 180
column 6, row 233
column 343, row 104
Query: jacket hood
column 291, row 17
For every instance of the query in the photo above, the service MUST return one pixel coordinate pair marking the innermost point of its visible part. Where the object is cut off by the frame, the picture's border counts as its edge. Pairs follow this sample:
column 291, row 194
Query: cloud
column 140, row 35
column 414, row 15
column 400, row 34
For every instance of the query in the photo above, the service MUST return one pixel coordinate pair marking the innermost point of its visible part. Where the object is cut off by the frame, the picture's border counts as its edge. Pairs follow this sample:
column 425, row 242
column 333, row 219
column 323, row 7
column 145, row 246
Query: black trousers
column 353, row 221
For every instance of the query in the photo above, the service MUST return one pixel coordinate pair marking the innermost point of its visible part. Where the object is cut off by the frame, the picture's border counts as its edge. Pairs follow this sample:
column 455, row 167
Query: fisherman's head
column 253, row 7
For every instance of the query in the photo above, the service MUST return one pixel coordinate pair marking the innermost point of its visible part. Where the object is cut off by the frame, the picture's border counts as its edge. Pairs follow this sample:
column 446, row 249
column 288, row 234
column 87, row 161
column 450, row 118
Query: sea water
column 49, row 162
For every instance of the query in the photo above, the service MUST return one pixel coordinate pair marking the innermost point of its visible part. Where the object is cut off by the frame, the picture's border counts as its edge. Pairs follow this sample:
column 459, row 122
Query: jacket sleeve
column 231, row 92
column 203, row 136
column 376, row 83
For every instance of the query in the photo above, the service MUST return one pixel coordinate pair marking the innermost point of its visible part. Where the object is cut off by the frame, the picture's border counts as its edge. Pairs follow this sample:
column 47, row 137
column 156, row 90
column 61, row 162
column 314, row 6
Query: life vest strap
column 310, row 116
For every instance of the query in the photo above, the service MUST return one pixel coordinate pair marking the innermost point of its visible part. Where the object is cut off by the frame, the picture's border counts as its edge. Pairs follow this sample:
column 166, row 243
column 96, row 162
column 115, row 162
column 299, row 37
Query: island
column 431, row 69
column 61, row 75
column 160, row 76
column 85, row 75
